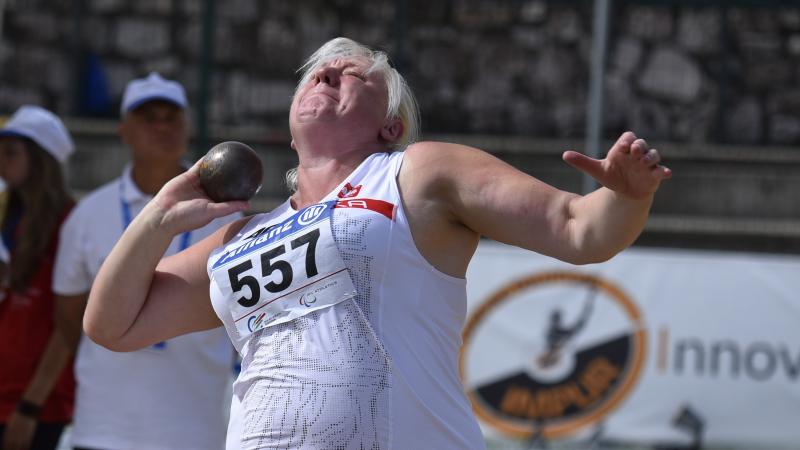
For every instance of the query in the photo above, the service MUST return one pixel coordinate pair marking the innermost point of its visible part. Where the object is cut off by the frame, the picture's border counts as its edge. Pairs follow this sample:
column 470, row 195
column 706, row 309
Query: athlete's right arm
column 138, row 298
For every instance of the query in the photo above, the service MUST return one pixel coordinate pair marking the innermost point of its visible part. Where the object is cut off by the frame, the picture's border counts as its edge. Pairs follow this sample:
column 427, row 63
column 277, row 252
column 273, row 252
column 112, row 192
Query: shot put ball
column 230, row 171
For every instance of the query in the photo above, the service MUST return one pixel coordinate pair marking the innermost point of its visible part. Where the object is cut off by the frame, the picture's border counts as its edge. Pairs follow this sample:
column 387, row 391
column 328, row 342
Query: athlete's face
column 156, row 131
column 341, row 92
column 14, row 161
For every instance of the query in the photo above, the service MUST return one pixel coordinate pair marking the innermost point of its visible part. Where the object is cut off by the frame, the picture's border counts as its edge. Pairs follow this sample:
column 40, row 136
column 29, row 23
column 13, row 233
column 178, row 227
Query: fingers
column 196, row 166
column 662, row 172
column 624, row 142
column 223, row 209
column 639, row 149
column 630, row 166
column 630, row 144
column 652, row 157
column 591, row 166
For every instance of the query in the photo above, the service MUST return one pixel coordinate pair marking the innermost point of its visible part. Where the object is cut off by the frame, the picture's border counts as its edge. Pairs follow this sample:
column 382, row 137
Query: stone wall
column 677, row 73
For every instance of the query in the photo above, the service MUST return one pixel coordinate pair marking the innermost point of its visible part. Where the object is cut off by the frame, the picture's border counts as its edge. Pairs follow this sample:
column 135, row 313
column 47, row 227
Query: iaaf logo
column 552, row 353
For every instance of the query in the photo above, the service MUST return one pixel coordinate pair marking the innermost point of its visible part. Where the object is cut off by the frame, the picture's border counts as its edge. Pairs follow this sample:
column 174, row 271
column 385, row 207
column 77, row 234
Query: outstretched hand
column 184, row 206
column 630, row 168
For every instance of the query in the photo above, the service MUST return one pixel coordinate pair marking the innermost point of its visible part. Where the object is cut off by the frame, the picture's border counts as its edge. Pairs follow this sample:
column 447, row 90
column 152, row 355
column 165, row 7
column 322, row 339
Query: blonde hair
column 401, row 102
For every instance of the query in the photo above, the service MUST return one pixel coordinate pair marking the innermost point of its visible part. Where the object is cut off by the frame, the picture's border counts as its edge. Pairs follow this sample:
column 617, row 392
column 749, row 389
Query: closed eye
column 355, row 74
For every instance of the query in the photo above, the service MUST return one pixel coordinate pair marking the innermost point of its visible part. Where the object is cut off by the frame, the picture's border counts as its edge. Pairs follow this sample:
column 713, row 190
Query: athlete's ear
column 293, row 145
column 392, row 130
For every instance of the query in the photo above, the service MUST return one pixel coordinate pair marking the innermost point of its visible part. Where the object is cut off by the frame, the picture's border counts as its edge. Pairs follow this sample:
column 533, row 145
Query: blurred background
column 712, row 84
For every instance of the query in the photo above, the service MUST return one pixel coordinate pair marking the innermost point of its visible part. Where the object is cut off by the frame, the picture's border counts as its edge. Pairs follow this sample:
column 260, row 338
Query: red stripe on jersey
column 379, row 206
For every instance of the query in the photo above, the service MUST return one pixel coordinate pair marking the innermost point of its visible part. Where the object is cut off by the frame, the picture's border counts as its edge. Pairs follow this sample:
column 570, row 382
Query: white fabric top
column 168, row 397
column 377, row 371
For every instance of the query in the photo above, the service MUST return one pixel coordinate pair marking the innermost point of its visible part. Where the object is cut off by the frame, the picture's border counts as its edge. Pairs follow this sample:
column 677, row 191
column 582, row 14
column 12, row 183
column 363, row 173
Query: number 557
column 269, row 264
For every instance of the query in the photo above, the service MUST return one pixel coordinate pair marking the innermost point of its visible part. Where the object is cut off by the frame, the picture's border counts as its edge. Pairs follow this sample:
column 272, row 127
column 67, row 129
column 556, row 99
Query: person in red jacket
column 36, row 382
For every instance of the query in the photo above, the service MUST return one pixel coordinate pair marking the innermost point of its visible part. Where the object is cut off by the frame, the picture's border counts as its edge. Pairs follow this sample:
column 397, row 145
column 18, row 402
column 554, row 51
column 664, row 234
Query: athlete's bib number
column 269, row 265
column 286, row 271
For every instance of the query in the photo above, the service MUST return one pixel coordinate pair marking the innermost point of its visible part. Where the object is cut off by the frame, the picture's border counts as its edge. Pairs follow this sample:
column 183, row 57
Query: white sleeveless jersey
column 378, row 370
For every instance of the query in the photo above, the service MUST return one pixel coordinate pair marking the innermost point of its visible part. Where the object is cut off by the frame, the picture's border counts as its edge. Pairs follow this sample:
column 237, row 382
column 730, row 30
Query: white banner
column 653, row 346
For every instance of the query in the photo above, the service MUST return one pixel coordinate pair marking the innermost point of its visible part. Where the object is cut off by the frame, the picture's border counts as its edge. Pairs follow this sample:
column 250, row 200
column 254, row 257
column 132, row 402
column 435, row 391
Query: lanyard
column 127, row 218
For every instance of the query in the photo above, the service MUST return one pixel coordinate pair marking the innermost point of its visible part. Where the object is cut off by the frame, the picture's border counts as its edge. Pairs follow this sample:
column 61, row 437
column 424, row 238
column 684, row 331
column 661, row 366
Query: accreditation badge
column 284, row 271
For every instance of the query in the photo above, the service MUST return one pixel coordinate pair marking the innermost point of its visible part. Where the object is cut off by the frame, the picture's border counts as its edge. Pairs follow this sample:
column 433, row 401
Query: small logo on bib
column 254, row 321
column 308, row 299
column 310, row 214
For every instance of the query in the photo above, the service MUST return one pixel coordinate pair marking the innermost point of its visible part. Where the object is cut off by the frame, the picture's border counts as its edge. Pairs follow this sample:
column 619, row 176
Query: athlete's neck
column 316, row 180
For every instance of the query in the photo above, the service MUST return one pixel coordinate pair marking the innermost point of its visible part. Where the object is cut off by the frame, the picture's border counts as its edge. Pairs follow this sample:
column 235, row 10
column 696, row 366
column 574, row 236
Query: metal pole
column 594, row 120
column 400, row 35
column 78, row 57
column 2, row 16
column 206, row 71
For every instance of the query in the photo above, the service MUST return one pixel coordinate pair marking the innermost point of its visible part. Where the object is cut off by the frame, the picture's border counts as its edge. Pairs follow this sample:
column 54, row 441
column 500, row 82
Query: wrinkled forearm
column 120, row 289
column 603, row 223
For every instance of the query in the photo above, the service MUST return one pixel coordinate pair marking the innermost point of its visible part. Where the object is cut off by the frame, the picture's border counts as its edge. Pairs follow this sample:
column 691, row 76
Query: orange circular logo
column 551, row 354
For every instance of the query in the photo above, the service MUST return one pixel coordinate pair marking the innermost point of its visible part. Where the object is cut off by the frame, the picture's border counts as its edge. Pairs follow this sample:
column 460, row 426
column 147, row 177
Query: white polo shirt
column 170, row 396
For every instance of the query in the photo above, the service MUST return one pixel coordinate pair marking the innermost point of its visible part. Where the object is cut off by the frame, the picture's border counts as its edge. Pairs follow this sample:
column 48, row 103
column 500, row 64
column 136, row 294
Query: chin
column 317, row 117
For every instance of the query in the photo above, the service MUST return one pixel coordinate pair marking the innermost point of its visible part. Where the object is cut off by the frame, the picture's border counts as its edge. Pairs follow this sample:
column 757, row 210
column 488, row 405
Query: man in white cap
column 171, row 395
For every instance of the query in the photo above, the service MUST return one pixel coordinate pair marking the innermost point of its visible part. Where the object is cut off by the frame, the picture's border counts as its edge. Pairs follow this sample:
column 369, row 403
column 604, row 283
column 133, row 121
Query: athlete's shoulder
column 429, row 163
column 437, row 153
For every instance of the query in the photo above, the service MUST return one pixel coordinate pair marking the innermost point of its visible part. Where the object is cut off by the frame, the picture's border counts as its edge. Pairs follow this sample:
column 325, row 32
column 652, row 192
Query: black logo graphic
column 551, row 354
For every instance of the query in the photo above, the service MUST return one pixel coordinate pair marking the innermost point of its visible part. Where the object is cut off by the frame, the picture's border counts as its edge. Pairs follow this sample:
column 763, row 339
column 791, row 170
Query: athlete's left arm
column 500, row 202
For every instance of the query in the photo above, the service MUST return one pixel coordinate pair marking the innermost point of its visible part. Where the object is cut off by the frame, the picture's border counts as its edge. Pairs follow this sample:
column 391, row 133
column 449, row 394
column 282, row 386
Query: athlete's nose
column 328, row 75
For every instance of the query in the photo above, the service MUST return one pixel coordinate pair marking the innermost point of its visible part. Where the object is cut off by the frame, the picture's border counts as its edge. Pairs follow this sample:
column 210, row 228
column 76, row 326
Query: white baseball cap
column 154, row 87
column 42, row 127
